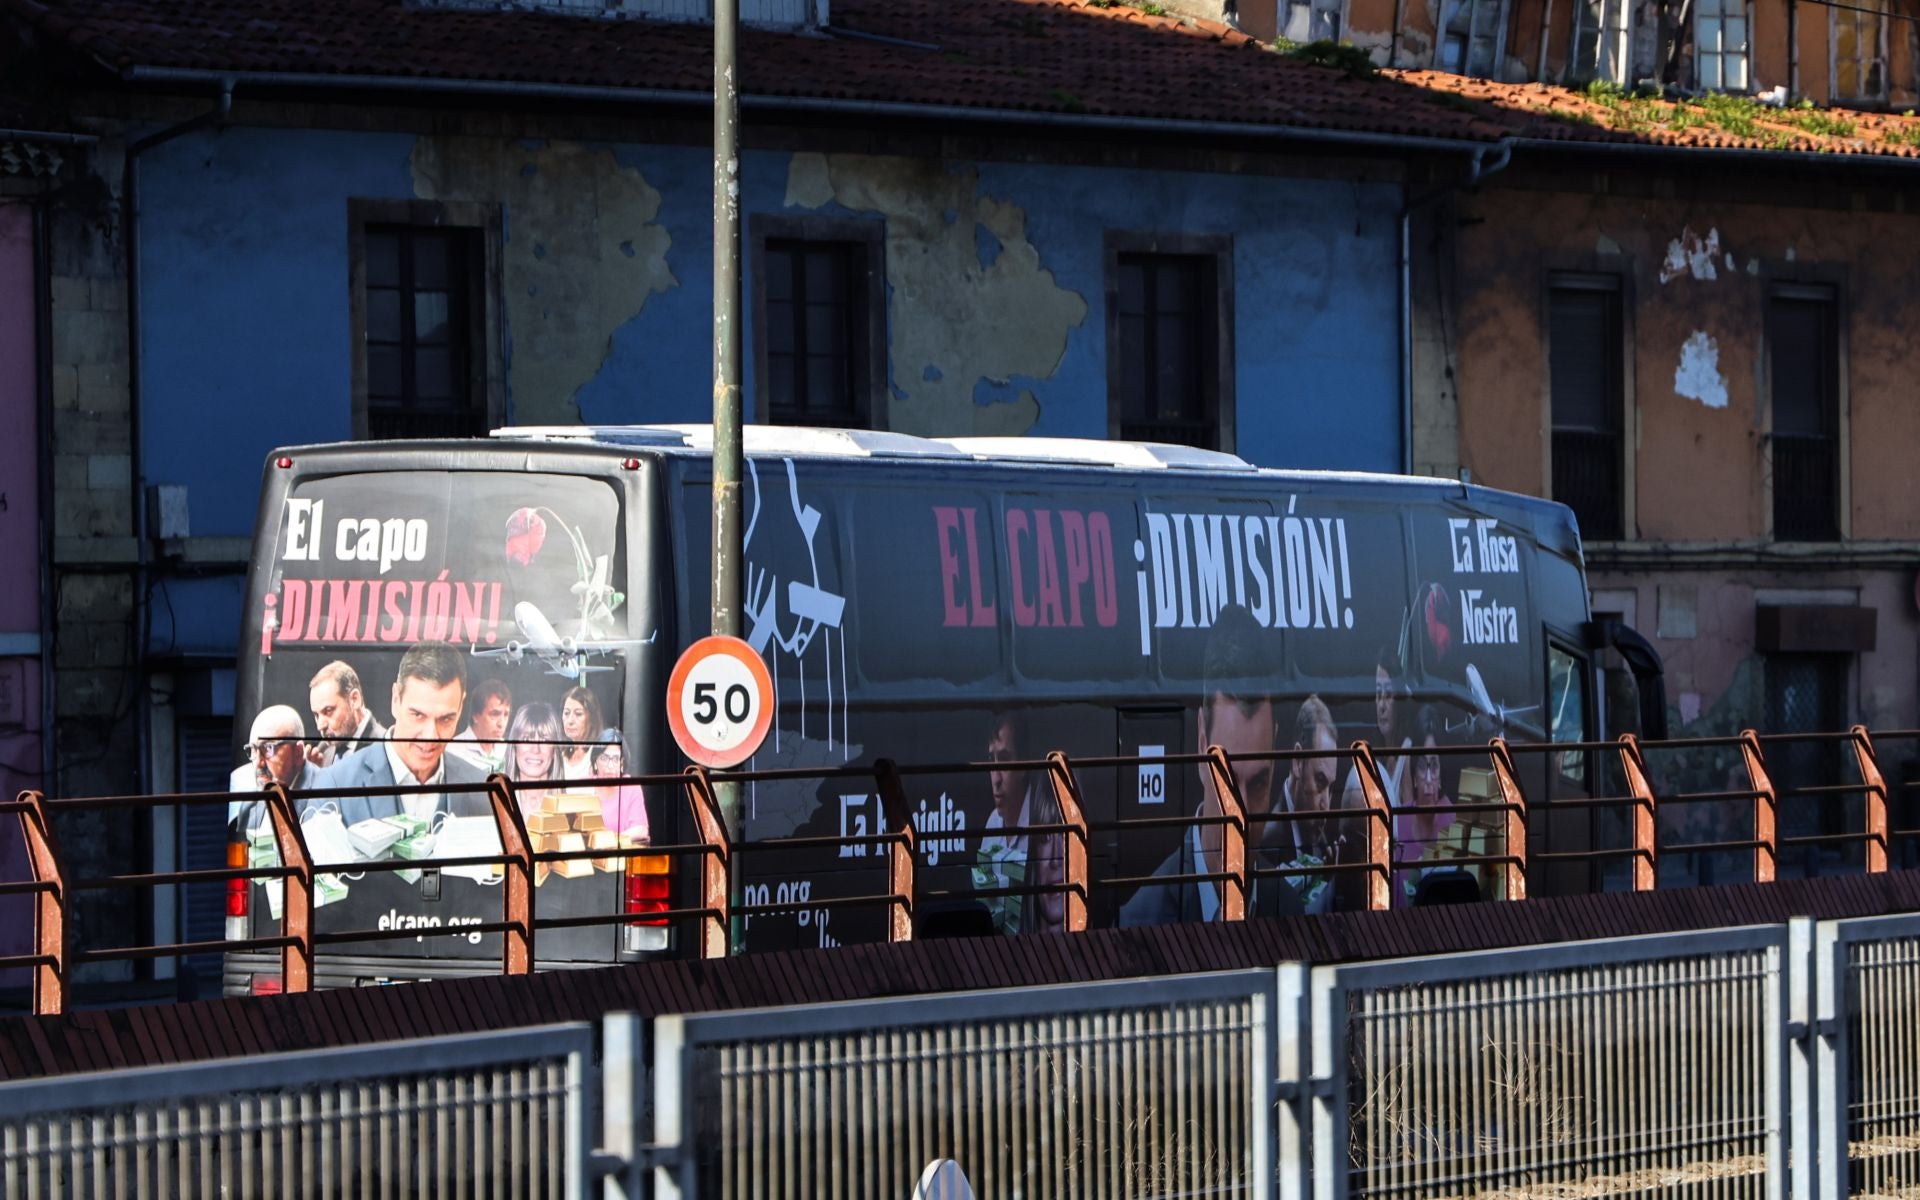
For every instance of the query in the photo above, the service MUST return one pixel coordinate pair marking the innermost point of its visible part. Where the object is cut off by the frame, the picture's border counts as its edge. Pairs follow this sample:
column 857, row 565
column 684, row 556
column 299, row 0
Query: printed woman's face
column 611, row 764
column 573, row 719
column 1426, row 777
column 534, row 760
column 1383, row 701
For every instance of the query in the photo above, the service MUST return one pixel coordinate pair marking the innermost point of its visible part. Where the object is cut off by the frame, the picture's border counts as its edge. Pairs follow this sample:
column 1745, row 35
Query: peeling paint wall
column 1694, row 276
column 994, row 303
column 581, row 255
column 969, row 303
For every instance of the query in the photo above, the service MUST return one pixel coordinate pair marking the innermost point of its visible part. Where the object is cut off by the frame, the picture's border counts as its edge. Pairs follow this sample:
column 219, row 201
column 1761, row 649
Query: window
column 1311, row 20
column 1568, row 673
column 1860, row 51
column 1803, row 335
column 1720, row 45
column 818, row 340
column 1600, row 41
column 1169, row 355
column 421, row 312
column 1473, row 37
column 1585, row 374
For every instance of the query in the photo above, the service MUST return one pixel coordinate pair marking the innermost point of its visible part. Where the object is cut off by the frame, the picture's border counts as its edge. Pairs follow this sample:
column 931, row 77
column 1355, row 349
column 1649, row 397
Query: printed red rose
column 526, row 533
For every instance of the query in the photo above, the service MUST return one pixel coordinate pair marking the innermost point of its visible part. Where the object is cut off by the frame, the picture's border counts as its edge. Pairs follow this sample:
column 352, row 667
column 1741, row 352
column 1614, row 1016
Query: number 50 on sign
column 719, row 702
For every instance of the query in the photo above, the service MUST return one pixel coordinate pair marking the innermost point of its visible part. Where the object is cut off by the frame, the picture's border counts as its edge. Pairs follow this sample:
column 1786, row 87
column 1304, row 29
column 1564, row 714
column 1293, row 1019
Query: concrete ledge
column 119, row 551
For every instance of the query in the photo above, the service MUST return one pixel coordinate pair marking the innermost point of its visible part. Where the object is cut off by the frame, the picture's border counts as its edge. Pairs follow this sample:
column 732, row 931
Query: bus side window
column 1567, row 707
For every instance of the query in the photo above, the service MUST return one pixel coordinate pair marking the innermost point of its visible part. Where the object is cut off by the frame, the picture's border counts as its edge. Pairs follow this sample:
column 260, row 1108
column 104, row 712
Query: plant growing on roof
column 1822, row 123
column 1325, row 52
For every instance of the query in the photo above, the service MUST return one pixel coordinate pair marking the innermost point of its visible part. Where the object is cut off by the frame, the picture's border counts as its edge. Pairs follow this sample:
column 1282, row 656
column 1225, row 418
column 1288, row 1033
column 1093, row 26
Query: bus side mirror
column 1648, row 671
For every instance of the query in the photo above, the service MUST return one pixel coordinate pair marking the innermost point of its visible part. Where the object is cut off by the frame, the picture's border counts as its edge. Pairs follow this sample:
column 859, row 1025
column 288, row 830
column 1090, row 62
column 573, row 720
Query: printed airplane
column 564, row 656
column 1492, row 714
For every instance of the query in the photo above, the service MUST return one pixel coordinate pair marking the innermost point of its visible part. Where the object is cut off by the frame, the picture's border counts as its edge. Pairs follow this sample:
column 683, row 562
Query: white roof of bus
column 867, row 443
column 804, row 441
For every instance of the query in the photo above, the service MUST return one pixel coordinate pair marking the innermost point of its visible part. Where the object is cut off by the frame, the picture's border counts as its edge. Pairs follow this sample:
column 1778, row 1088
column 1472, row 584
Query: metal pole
column 727, row 550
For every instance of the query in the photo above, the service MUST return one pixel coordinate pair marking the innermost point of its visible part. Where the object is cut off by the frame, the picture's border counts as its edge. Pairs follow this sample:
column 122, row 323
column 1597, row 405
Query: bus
column 923, row 600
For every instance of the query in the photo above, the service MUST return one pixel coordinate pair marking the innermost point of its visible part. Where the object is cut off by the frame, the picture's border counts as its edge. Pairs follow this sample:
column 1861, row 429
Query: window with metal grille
column 1473, row 37
column 1720, row 50
column 1859, row 50
column 1807, row 693
column 814, row 319
column 1589, row 406
column 1168, row 348
column 1803, row 336
column 1312, row 20
column 420, row 335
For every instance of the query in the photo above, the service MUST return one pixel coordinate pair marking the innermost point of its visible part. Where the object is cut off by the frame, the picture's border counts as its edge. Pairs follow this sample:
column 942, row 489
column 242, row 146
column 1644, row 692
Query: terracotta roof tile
column 1061, row 58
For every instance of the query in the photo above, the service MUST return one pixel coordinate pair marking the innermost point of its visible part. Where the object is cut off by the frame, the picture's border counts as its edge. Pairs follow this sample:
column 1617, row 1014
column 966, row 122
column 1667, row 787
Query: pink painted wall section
column 20, row 717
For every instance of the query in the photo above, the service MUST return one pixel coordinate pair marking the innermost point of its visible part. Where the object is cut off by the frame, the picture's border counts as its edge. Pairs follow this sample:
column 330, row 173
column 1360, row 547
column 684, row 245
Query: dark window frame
column 866, row 287
column 1220, row 404
column 1596, row 279
column 485, row 372
column 1826, row 287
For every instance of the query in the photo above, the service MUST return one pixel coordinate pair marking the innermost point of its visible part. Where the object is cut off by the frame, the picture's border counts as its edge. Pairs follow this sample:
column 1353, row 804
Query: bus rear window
column 523, row 574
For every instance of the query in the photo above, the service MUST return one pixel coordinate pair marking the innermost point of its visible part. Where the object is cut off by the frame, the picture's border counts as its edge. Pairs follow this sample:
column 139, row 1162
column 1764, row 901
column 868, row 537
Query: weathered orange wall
column 1698, row 469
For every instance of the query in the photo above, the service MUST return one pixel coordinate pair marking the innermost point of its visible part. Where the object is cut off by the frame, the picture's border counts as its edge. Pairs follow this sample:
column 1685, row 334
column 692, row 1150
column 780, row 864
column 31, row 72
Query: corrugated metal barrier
column 1646, row 1066
column 496, row 1114
column 1137, row 1089
column 1751, row 1062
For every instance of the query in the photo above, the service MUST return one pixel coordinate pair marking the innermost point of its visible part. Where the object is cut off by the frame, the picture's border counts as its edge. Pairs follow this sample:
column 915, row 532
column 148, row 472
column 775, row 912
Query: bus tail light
column 237, row 889
column 648, row 886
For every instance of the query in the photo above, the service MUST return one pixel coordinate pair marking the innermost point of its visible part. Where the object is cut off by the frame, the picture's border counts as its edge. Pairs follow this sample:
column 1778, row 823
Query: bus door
column 1150, row 790
column 1556, row 827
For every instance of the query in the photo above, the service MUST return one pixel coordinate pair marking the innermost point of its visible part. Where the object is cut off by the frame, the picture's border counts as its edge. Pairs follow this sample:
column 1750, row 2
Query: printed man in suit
column 1236, row 713
column 429, row 695
column 275, row 754
column 342, row 722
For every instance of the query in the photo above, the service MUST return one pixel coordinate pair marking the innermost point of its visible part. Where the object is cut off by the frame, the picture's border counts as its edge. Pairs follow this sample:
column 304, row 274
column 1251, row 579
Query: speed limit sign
column 719, row 701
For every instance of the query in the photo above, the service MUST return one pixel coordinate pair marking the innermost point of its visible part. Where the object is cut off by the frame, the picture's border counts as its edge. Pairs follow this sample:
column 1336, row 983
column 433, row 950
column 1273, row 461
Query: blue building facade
column 992, row 286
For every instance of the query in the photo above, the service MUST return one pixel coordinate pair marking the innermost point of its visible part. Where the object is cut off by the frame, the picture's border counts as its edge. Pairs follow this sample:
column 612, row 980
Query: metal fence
column 1632, row 1065
column 496, row 1114
column 1138, row 1089
column 1664, row 824
column 1733, row 1063
column 1867, row 1017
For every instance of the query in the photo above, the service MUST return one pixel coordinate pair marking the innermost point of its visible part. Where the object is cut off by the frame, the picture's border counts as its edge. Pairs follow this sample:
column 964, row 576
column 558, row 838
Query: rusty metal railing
column 1368, row 864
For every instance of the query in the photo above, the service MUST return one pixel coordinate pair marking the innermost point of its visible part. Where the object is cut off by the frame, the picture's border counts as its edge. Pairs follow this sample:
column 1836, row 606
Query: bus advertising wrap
column 432, row 628
column 955, row 624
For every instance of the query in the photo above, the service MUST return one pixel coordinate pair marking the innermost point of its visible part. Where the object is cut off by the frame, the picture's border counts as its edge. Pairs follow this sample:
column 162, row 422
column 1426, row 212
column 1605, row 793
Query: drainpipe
column 130, row 227
column 43, row 384
column 1479, row 167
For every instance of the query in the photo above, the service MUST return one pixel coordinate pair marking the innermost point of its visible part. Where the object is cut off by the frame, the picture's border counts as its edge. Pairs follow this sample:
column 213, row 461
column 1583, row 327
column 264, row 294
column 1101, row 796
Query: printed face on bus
column 1313, row 778
column 534, row 759
column 1240, row 727
column 425, row 715
column 1383, row 702
column 573, row 721
column 611, row 764
column 490, row 722
column 275, row 760
column 1009, row 787
column 1426, row 777
column 336, row 715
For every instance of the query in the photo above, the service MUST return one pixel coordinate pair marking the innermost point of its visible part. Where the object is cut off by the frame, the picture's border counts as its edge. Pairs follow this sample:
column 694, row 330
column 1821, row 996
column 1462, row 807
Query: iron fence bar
column 51, row 934
column 1766, row 809
column 1875, row 785
column 1064, row 778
